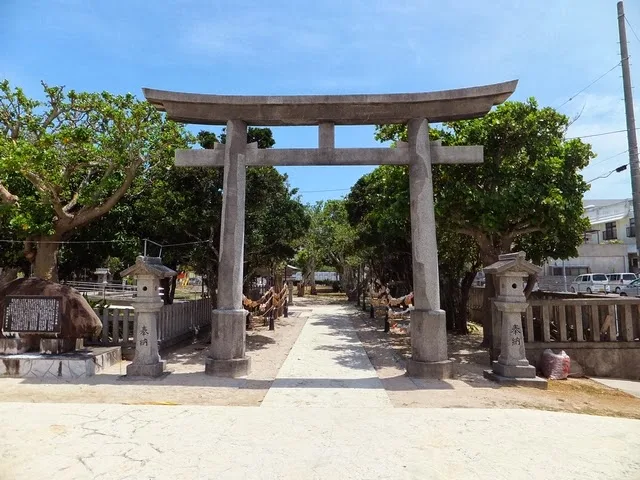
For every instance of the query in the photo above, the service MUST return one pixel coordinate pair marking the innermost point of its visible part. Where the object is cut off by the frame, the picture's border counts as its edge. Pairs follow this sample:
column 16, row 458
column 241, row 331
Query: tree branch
column 6, row 196
column 524, row 231
column 74, row 200
column 471, row 232
column 87, row 215
column 56, row 203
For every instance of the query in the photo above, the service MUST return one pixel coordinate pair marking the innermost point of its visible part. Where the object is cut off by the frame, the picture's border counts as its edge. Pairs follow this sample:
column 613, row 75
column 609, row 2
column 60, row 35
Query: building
column 609, row 245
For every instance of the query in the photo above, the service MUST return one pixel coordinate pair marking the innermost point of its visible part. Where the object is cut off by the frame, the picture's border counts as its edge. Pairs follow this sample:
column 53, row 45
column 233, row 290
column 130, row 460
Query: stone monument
column 428, row 328
column 148, row 272
column 38, row 313
column 512, row 366
column 42, row 330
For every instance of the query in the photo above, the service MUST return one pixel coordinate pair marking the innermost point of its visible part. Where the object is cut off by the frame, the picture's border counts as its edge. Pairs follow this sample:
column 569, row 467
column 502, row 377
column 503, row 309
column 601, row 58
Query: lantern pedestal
column 512, row 366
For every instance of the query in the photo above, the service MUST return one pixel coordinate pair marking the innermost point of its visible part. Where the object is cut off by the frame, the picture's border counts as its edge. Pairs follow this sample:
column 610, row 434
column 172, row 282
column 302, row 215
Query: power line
column 599, row 134
column 71, row 241
column 591, row 84
column 322, row 191
column 631, row 27
column 605, row 159
column 615, row 170
column 87, row 242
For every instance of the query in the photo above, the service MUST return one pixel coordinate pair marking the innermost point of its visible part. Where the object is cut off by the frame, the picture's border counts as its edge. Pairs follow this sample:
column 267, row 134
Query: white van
column 591, row 283
column 617, row 280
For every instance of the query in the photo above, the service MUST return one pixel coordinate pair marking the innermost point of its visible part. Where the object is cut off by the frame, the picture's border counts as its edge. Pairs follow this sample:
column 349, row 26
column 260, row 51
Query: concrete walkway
column 632, row 387
column 327, row 367
column 81, row 441
column 326, row 416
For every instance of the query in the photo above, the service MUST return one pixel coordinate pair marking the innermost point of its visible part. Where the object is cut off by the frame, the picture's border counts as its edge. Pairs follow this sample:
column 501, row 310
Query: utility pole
column 631, row 124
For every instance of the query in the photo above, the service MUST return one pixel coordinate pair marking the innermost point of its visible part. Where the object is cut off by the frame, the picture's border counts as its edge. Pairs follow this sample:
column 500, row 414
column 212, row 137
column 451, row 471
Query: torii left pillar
column 226, row 357
column 428, row 322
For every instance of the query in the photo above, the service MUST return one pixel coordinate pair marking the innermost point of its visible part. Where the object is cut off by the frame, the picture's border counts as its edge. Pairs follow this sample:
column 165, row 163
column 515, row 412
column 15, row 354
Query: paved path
column 632, row 387
column 89, row 441
column 325, row 417
column 327, row 367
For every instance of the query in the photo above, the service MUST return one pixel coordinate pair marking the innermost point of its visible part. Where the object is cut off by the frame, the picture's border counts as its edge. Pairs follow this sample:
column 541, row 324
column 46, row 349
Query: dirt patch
column 186, row 384
column 389, row 351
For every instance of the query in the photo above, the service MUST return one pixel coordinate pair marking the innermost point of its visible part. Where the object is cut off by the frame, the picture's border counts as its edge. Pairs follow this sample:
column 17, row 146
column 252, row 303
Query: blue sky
column 349, row 46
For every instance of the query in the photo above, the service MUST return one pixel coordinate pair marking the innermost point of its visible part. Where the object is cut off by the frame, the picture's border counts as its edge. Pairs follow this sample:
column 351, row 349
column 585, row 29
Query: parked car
column 631, row 290
column 617, row 280
column 591, row 283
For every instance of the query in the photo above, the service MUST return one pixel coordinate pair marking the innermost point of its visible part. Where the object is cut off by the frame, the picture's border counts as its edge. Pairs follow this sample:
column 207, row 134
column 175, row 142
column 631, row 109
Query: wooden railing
column 267, row 308
column 582, row 320
column 176, row 322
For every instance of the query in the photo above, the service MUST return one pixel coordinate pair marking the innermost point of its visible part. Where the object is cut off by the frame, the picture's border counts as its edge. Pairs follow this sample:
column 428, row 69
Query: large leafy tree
column 185, row 206
column 378, row 207
column 527, row 193
column 330, row 241
column 67, row 160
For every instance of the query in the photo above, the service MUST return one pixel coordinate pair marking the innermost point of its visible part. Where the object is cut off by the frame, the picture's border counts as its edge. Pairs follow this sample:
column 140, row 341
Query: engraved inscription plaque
column 31, row 314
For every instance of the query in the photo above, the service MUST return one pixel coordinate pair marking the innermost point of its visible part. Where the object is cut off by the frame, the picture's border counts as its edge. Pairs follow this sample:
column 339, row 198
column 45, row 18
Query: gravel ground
column 186, row 384
column 470, row 389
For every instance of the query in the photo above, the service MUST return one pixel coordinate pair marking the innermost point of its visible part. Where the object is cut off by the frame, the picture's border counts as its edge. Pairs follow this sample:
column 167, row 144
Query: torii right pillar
column 428, row 322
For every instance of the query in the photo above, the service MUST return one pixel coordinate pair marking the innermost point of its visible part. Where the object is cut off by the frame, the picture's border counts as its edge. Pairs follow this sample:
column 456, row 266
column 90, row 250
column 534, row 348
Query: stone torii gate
column 226, row 356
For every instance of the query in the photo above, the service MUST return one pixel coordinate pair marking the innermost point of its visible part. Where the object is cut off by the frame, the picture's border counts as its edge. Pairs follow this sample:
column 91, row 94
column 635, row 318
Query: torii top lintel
column 440, row 106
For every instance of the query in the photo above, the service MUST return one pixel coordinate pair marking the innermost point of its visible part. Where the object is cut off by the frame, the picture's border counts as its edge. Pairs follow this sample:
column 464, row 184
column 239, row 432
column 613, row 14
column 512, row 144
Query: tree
column 378, row 207
column 527, row 193
column 330, row 241
column 185, row 205
column 71, row 158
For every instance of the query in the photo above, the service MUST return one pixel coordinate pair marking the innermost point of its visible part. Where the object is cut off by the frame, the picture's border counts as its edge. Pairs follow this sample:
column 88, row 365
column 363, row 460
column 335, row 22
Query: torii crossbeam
column 429, row 357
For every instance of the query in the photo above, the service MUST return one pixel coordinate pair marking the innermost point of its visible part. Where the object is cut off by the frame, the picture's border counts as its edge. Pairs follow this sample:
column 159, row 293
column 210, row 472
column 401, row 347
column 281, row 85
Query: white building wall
column 600, row 255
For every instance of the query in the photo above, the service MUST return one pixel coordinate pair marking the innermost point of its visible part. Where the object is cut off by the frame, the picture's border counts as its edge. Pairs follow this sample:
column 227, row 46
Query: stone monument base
column 150, row 370
column 515, row 371
column 72, row 365
column 535, row 382
column 55, row 346
column 235, row 367
column 13, row 346
column 436, row 370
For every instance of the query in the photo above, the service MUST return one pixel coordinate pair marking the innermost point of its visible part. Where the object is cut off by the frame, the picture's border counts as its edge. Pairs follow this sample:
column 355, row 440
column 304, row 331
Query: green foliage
column 185, row 205
column 330, row 242
column 527, row 193
column 378, row 209
column 67, row 160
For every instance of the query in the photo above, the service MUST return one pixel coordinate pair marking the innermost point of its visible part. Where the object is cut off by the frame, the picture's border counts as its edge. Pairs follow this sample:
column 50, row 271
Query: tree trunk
column 312, row 278
column 43, row 255
column 448, row 296
column 463, row 307
column 489, row 255
column 8, row 275
column 169, row 289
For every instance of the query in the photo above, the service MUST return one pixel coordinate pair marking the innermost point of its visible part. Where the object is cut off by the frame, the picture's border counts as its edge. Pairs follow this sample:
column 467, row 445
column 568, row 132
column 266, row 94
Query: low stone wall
column 603, row 359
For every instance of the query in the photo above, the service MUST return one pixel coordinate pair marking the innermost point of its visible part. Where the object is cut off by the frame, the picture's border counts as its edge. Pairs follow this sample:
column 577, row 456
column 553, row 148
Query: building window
column 570, row 271
column 610, row 231
column 631, row 229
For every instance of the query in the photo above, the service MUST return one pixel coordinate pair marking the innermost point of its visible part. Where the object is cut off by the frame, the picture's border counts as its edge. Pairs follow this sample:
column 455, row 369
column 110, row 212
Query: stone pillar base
column 151, row 370
column 232, row 368
column 535, row 382
column 428, row 336
column 13, row 346
column 436, row 370
column 514, row 371
column 54, row 346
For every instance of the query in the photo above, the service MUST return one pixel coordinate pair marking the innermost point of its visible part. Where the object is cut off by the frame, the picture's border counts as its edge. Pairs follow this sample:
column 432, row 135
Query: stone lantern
column 512, row 366
column 148, row 272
